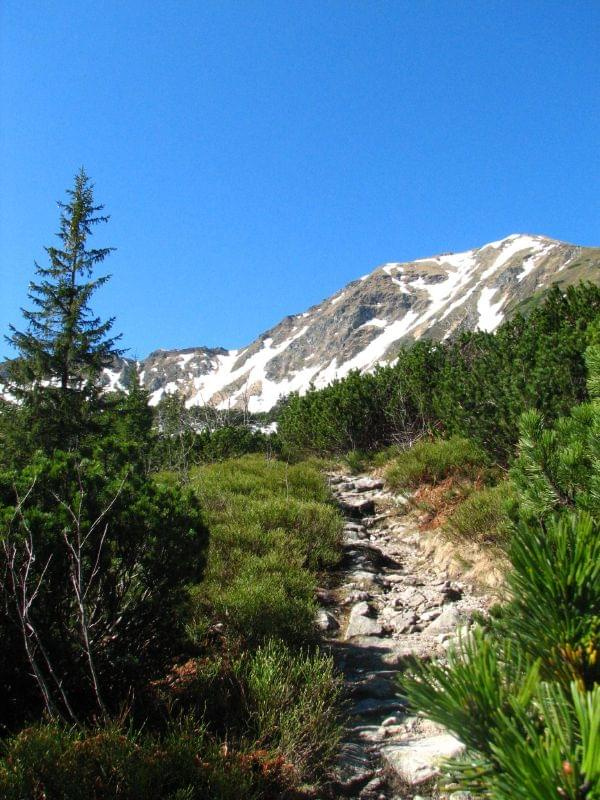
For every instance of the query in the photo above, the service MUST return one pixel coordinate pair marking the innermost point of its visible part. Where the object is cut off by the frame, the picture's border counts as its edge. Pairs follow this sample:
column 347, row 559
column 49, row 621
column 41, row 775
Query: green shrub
column 98, row 563
column 314, row 527
column 555, row 585
column 490, row 693
column 466, row 694
column 526, row 739
column 475, row 384
column 484, row 516
column 55, row 763
column 433, row 460
column 267, row 596
column 558, row 468
column 292, row 701
column 383, row 457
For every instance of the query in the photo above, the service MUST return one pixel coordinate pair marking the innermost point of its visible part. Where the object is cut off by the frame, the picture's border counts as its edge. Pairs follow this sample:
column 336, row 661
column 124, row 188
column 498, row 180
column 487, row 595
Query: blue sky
column 256, row 156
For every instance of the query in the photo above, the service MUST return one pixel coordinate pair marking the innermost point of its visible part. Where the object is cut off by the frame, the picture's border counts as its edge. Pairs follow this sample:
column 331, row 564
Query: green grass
column 273, row 528
column 432, row 461
column 293, row 701
column 484, row 516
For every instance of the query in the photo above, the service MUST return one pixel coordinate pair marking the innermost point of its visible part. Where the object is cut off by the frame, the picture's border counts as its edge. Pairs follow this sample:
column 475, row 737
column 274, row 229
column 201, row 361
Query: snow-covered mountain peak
column 367, row 321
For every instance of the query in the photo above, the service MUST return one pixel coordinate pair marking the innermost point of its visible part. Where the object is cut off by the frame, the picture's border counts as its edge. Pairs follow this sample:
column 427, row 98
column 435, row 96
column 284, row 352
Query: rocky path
column 391, row 603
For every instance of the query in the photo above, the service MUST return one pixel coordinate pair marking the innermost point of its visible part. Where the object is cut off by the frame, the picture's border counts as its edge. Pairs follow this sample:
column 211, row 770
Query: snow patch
column 185, row 358
column 516, row 245
column 376, row 349
column 489, row 313
column 400, row 284
column 375, row 323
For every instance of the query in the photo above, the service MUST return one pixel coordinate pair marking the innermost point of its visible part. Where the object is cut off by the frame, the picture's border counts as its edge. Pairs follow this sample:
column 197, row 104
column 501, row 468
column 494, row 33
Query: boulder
column 447, row 621
column 418, row 760
column 368, row 484
column 326, row 621
column 361, row 623
column 356, row 506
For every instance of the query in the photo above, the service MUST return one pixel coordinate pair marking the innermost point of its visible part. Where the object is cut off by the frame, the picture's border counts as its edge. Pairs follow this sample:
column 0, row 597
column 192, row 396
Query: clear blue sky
column 256, row 156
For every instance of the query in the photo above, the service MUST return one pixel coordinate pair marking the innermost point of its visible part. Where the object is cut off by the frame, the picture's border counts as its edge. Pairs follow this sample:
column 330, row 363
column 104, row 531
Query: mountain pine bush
column 524, row 695
column 475, row 386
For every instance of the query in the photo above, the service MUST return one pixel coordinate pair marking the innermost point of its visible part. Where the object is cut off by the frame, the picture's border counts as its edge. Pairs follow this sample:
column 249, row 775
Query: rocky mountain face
column 365, row 323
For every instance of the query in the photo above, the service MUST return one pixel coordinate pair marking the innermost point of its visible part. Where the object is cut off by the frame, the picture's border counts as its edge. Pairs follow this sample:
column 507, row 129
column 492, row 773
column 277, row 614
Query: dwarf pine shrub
column 525, row 695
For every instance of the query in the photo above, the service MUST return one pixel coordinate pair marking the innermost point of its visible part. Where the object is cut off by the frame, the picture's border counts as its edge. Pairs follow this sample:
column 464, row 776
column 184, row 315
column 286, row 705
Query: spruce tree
column 64, row 347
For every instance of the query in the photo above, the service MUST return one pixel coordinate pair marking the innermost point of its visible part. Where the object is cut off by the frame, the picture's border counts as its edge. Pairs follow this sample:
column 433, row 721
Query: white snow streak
column 376, row 323
column 489, row 313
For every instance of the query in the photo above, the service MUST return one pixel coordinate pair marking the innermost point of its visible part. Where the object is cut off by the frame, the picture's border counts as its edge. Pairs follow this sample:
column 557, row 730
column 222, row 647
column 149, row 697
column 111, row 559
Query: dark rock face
column 367, row 322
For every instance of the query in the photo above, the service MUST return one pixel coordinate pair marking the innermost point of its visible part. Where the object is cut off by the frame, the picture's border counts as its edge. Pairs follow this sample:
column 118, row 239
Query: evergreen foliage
column 121, row 631
column 484, row 516
column 524, row 695
column 96, row 565
column 96, row 557
column 65, row 346
column 476, row 386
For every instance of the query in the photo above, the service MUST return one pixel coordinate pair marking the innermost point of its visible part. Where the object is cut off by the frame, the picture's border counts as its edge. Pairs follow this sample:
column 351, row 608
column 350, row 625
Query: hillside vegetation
column 476, row 386
column 160, row 568
column 158, row 627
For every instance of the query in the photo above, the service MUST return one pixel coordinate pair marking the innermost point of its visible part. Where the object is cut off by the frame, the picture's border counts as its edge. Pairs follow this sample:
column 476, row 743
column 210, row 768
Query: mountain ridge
column 366, row 322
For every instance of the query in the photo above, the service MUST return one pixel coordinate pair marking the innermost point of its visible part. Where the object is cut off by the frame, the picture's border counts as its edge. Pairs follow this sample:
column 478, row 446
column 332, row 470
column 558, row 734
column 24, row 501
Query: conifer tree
column 64, row 347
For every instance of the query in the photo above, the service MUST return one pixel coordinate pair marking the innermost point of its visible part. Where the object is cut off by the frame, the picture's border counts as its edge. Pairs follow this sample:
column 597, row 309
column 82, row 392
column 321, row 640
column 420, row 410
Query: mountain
column 365, row 323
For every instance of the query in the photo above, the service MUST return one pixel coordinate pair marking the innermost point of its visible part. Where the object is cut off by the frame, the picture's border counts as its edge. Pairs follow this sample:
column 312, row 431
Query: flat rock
column 374, row 686
column 429, row 616
column 362, row 626
column 402, row 622
column 325, row 596
column 418, row 760
column 394, row 577
column 368, row 484
column 357, row 597
column 356, row 505
column 371, row 706
column 361, row 578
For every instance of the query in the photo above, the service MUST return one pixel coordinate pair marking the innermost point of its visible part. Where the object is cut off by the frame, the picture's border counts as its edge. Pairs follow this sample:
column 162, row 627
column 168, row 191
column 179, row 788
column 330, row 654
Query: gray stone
column 356, row 505
column 357, row 597
column 418, row 760
column 361, row 622
column 403, row 622
column 394, row 578
column 374, row 686
column 448, row 620
column 362, row 609
column 361, row 578
column 353, row 526
column 371, row 706
column 429, row 616
column 371, row 790
column 325, row 596
column 326, row 621
column 410, row 596
column 368, row 484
